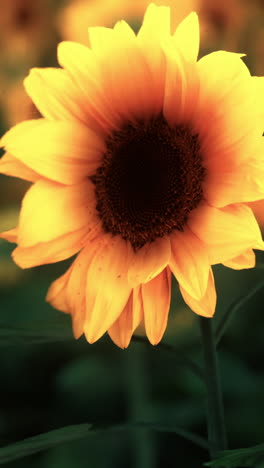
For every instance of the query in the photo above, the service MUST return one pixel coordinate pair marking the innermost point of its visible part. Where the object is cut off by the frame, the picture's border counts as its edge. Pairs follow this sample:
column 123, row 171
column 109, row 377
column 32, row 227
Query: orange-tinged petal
column 131, row 97
column 82, row 67
column 69, row 151
column 13, row 167
column 123, row 328
column 234, row 224
column 10, row 236
column 51, row 251
column 181, row 86
column 219, row 65
column 154, row 30
column 206, row 305
column 228, row 98
column 149, row 261
column 244, row 183
column 56, row 294
column 156, row 296
column 55, row 94
column 50, row 210
column 156, row 24
column 187, row 37
column 107, row 288
column 189, row 262
column 245, row 260
column 76, row 289
column 223, row 253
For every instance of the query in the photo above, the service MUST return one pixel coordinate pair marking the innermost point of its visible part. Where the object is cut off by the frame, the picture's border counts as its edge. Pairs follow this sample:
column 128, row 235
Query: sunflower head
column 144, row 162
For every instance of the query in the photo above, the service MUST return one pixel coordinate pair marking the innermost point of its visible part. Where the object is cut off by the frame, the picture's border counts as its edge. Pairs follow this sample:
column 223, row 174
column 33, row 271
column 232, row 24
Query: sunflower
column 143, row 163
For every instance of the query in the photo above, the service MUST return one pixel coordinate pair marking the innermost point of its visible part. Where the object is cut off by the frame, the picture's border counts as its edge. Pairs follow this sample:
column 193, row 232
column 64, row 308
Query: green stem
column 215, row 410
column 143, row 440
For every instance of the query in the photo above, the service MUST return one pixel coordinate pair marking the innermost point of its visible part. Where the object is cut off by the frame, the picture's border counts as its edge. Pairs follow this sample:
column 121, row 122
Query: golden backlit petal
column 156, row 24
column 219, row 65
column 156, row 296
column 130, row 96
column 100, row 38
column 76, row 287
column 13, row 167
column 189, row 262
column 223, row 253
column 107, row 288
column 10, row 236
column 206, row 305
column 55, row 94
column 244, row 183
column 181, row 86
column 123, row 328
column 52, row 251
column 56, row 294
column 50, row 210
column 187, row 37
column 149, row 261
column 228, row 99
column 154, row 30
column 82, row 66
column 69, row 151
column 245, row 260
column 123, row 29
column 234, row 224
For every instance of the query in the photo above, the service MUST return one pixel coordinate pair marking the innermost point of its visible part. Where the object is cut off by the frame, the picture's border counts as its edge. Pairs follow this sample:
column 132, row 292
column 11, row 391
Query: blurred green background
column 61, row 381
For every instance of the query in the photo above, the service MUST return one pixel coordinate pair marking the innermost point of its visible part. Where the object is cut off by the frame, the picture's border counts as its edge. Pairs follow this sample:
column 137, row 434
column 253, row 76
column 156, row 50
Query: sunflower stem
column 215, row 410
column 143, row 440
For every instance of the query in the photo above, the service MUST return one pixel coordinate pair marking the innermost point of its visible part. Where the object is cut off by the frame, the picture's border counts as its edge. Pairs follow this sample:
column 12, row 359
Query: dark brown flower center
column 149, row 181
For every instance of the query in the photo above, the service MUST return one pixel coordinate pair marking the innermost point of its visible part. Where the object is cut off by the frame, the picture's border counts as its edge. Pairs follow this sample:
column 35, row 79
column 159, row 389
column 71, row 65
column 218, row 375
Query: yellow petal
column 149, row 261
column 56, row 294
column 156, row 24
column 206, row 305
column 130, row 96
column 181, row 86
column 223, row 253
column 50, row 210
column 55, row 94
column 52, row 251
column 107, row 288
column 76, row 287
column 123, row 328
column 156, row 296
column 83, row 68
column 244, row 183
column 154, row 30
column 234, row 224
column 187, row 37
column 10, row 236
column 189, row 262
column 245, row 260
column 13, row 167
column 67, row 152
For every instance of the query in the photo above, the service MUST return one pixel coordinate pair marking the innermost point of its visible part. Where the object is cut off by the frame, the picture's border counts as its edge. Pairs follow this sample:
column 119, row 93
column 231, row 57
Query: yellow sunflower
column 143, row 162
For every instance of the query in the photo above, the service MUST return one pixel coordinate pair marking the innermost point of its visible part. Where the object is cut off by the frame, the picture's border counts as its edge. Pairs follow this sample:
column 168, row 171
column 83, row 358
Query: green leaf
column 250, row 456
column 50, row 439
column 41, row 442
column 35, row 333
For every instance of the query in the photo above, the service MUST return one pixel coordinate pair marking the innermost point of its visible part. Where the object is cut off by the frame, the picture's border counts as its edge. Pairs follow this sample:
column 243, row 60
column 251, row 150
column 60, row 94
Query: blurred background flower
column 49, row 385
